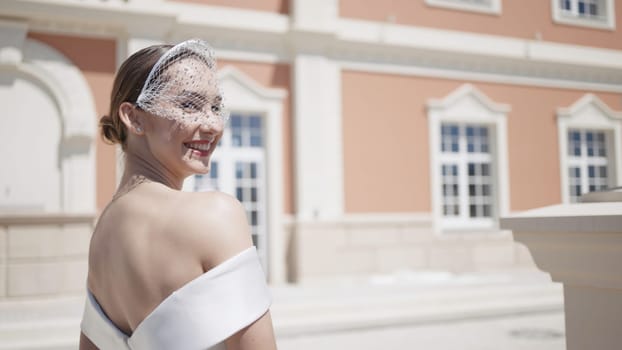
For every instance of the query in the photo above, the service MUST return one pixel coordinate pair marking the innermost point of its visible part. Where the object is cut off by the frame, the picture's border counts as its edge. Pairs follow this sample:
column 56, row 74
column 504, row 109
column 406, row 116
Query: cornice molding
column 252, row 35
column 586, row 101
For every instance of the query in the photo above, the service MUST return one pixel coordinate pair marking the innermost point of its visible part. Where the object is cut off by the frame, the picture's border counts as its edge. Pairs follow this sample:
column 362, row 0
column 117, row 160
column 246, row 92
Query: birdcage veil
column 183, row 86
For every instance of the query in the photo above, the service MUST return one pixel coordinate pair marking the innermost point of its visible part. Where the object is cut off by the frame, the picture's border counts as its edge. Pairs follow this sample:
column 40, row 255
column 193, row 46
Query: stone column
column 580, row 245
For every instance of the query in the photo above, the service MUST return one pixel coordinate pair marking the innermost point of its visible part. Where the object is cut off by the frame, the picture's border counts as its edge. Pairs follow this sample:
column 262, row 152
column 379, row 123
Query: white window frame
column 563, row 17
column 227, row 155
column 584, row 162
column 590, row 113
column 461, row 159
column 493, row 6
column 467, row 105
column 243, row 94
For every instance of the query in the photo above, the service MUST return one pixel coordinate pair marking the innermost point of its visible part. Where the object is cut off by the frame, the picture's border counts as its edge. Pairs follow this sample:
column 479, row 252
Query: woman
column 171, row 269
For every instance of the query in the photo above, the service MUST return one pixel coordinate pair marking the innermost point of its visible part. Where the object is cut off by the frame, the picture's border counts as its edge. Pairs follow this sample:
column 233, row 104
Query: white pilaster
column 316, row 16
column 318, row 137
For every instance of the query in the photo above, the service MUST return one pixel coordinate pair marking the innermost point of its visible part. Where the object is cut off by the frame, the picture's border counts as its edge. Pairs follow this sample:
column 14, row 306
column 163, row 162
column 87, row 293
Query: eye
column 190, row 106
column 216, row 109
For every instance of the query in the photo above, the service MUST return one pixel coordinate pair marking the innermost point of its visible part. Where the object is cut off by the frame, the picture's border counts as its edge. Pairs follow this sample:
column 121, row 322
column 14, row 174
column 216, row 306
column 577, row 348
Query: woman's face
column 184, row 132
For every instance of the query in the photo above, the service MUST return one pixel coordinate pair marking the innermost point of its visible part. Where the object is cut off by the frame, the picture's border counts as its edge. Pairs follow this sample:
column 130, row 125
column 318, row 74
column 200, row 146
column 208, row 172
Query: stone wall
column 43, row 254
column 363, row 246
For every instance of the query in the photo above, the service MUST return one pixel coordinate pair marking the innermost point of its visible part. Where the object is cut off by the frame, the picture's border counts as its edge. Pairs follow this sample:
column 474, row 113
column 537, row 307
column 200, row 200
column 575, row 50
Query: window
column 590, row 13
column 238, row 168
column 589, row 147
column 485, row 6
column 587, row 162
column 466, row 163
column 469, row 160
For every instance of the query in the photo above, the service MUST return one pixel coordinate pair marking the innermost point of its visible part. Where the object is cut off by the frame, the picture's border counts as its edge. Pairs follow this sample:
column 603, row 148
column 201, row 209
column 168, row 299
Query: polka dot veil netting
column 183, row 86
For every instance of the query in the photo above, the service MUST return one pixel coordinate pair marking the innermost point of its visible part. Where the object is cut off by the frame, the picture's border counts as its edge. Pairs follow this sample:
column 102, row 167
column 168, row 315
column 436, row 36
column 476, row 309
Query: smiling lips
column 200, row 148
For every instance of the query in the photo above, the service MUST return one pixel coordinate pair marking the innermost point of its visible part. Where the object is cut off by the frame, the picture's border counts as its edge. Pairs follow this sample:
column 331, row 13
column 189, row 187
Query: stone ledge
column 46, row 219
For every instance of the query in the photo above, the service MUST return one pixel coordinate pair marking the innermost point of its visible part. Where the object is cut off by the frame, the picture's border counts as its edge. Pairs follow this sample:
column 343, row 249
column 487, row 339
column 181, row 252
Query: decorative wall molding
column 467, row 104
column 589, row 112
column 60, row 78
column 262, row 36
column 491, row 6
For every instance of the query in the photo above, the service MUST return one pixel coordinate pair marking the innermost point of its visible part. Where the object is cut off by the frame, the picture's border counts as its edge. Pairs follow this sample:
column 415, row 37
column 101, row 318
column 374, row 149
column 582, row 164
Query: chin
column 201, row 170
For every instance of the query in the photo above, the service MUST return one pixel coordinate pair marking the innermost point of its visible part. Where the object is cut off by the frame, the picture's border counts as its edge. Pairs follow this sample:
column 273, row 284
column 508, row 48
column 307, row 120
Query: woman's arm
column 215, row 225
column 86, row 344
column 259, row 335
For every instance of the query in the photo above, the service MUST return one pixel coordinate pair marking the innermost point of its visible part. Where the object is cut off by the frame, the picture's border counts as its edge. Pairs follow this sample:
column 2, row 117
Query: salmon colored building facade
column 366, row 137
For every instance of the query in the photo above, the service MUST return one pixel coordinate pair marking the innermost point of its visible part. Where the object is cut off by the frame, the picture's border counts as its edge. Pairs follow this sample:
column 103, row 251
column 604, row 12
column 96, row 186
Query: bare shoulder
column 213, row 223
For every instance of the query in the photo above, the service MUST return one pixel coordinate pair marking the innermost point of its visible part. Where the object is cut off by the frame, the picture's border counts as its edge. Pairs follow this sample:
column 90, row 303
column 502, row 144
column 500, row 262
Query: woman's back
column 139, row 256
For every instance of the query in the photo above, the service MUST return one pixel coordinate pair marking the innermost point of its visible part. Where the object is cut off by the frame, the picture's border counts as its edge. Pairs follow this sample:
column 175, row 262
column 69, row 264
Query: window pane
column 581, row 7
column 253, row 167
column 472, row 211
column 593, row 10
column 574, row 143
column 450, row 138
column 450, row 190
column 254, row 218
column 486, row 190
column 472, row 191
column 236, row 121
column 239, row 193
column 256, row 140
column 236, row 138
column 213, row 170
column 239, row 170
column 485, row 169
column 487, row 211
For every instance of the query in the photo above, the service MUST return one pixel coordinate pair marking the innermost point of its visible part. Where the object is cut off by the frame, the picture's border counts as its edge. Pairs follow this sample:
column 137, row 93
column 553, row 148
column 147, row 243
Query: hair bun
column 110, row 132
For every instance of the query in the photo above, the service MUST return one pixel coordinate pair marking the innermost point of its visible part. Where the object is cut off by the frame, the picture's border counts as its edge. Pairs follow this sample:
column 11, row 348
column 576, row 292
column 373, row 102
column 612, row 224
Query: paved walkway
column 509, row 311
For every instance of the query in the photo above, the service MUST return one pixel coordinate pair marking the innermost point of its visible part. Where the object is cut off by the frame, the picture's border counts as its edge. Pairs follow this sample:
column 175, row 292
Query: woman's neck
column 135, row 167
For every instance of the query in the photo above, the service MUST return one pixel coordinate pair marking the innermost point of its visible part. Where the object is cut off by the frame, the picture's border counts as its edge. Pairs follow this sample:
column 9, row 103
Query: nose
column 213, row 125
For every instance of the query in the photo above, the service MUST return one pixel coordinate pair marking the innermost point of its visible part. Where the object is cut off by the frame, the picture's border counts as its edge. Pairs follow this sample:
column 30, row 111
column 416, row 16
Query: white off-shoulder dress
column 200, row 315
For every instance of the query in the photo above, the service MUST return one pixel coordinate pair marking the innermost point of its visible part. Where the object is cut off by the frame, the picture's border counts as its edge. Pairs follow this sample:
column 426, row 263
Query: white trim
column 443, row 40
column 493, row 8
column 315, row 16
column 589, row 112
column 608, row 23
column 369, row 32
column 408, row 70
column 260, row 57
column 318, row 137
column 242, row 93
column 268, row 37
column 197, row 15
column 468, row 105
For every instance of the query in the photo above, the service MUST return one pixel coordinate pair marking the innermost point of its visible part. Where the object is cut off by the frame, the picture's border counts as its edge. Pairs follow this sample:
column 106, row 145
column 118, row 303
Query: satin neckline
column 211, row 272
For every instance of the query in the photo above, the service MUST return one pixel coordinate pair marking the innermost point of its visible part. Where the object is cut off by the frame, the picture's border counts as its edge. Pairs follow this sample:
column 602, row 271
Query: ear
column 132, row 119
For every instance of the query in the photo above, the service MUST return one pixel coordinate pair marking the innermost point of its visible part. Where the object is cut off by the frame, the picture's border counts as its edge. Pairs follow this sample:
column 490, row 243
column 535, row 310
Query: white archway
column 54, row 88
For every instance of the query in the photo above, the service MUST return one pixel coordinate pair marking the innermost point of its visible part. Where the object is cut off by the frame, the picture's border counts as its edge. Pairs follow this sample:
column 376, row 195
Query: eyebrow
column 201, row 97
column 194, row 95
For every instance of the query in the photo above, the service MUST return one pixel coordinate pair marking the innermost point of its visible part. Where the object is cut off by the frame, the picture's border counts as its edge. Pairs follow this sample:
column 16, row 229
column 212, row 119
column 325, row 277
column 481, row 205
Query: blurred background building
column 366, row 138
